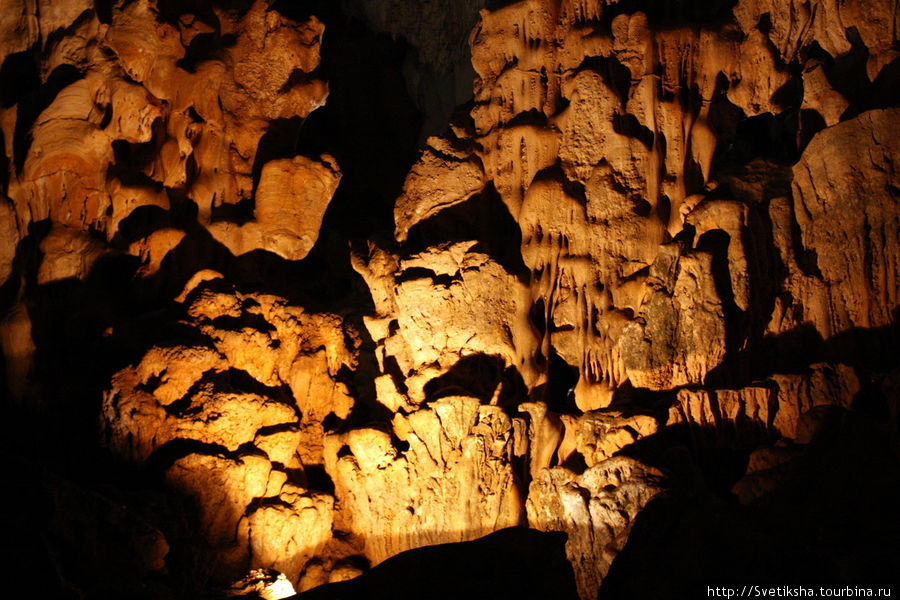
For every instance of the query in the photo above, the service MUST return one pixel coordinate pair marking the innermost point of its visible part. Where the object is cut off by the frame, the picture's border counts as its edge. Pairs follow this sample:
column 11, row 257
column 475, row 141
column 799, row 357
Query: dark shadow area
column 716, row 242
column 766, row 136
column 279, row 141
column 239, row 213
column 811, row 123
column 627, row 124
column 848, row 75
column 170, row 452
column 480, row 375
column 139, row 224
column 514, row 563
column 204, row 47
column 318, row 479
column 132, row 159
column 741, row 139
column 31, row 102
column 828, row 521
column 483, row 218
column 559, row 393
column 532, row 117
column 63, row 529
column 19, row 76
column 103, row 10
column 369, row 123
column 874, row 349
column 886, row 87
column 233, row 382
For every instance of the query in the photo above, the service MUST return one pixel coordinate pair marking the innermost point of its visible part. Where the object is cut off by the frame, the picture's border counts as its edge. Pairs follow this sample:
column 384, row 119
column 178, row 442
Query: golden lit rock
column 596, row 509
column 847, row 215
column 598, row 435
column 654, row 234
column 290, row 202
column 455, row 481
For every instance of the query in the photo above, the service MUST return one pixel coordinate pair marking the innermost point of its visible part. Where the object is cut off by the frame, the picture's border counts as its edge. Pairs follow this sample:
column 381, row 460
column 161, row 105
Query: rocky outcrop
column 290, row 202
column 9, row 234
column 659, row 255
column 596, row 509
column 683, row 337
column 598, row 435
column 846, row 206
column 185, row 109
column 659, row 234
column 771, row 409
column 251, row 514
column 247, row 408
column 440, row 306
column 454, row 482
column 268, row 584
column 601, row 159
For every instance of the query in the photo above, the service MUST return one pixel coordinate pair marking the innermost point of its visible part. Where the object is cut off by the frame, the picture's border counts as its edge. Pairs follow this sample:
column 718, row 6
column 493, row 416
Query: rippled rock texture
column 642, row 284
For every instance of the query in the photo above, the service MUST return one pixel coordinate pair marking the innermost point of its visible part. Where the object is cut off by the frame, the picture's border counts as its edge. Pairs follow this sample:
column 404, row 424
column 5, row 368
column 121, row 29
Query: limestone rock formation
column 845, row 202
column 192, row 123
column 774, row 408
column 249, row 408
column 659, row 234
column 595, row 509
column 9, row 237
column 268, row 584
column 649, row 262
column 68, row 252
column 437, row 307
column 454, row 482
column 290, row 202
column 601, row 162
column 599, row 435
column 684, row 335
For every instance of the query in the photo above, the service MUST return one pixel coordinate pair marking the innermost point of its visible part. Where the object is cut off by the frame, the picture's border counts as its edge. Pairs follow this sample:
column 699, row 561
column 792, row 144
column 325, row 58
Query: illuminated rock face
column 454, row 483
column 654, row 228
column 656, row 255
column 602, row 144
column 196, row 123
column 243, row 415
column 596, row 509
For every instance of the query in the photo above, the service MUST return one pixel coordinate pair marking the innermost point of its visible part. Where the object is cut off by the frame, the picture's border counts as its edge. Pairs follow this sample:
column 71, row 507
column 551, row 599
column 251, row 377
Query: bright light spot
column 269, row 584
column 280, row 588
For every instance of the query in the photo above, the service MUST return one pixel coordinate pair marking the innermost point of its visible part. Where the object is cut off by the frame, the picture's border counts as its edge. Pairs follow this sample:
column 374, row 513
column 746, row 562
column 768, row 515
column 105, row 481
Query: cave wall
column 639, row 279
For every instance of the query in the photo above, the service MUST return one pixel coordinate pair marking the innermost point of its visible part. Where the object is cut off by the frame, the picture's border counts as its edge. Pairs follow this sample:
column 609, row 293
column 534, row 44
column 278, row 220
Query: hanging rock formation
column 650, row 267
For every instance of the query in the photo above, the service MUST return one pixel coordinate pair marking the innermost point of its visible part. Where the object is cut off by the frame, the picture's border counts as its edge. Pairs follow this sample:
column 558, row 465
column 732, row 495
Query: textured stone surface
column 846, row 204
column 771, row 408
column 290, row 202
column 9, row 237
column 251, row 404
column 595, row 509
column 440, row 306
column 455, row 482
column 659, row 234
column 598, row 435
column 203, row 122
